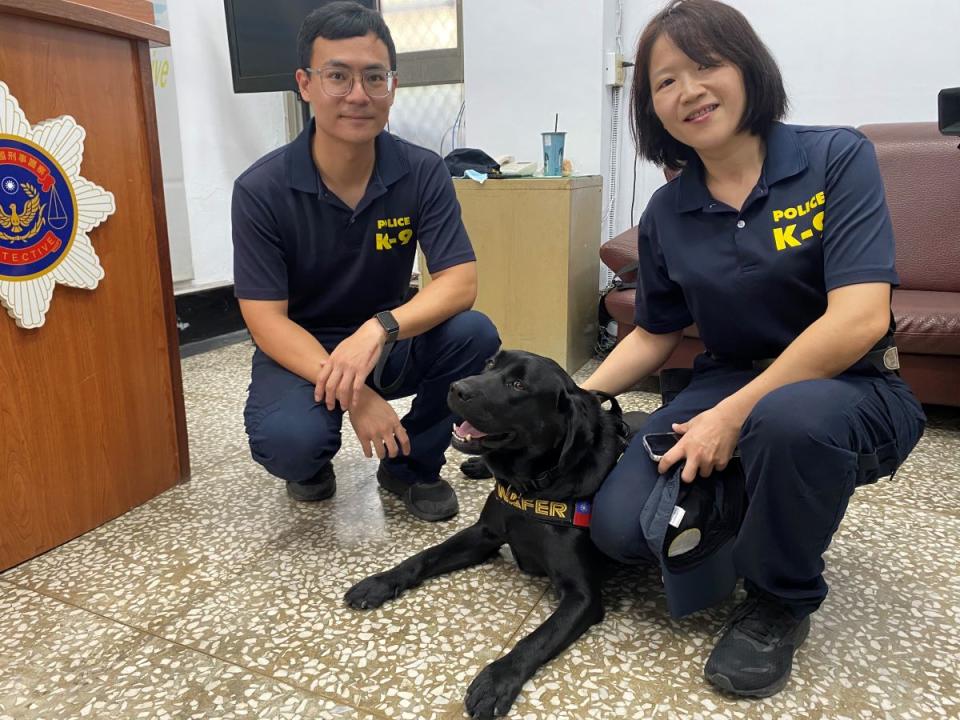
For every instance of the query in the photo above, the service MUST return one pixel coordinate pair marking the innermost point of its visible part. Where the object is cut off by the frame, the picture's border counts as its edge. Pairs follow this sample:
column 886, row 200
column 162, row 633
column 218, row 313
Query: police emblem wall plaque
column 46, row 211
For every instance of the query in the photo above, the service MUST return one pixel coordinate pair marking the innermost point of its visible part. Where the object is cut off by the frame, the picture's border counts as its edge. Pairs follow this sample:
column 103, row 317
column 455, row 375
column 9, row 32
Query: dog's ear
column 576, row 417
column 567, row 391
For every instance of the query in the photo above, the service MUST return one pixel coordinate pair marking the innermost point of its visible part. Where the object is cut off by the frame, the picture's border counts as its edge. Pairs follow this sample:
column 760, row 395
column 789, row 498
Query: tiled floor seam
column 254, row 671
column 512, row 640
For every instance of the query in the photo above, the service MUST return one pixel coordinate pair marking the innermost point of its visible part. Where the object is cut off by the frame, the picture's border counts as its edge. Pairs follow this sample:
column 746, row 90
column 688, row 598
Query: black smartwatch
column 390, row 324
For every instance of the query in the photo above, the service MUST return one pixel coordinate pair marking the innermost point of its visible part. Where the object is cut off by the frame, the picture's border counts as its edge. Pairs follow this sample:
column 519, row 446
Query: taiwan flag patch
column 581, row 514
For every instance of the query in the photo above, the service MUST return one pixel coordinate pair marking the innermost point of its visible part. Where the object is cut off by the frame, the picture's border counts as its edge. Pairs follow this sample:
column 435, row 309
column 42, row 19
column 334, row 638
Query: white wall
column 222, row 133
column 526, row 60
column 168, row 129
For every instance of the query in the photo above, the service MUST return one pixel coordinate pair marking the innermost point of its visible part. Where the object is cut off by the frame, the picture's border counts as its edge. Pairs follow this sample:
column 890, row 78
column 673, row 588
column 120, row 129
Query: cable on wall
column 613, row 171
column 613, row 164
column 453, row 131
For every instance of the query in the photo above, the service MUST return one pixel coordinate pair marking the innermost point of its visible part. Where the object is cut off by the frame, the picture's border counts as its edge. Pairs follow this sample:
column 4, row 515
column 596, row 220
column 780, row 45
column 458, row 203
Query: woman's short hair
column 339, row 21
column 707, row 31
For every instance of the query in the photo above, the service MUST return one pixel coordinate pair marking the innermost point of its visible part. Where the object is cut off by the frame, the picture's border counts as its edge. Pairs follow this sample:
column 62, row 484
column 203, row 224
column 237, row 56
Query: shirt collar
column 784, row 158
column 390, row 163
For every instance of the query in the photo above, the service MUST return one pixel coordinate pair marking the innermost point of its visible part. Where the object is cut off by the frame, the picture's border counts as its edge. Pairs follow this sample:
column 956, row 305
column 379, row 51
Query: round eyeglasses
column 338, row 82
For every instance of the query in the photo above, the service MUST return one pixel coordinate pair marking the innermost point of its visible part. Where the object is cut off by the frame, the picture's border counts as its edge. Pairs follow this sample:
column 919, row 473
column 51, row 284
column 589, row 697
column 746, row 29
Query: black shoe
column 320, row 487
column 428, row 501
column 755, row 655
column 476, row 469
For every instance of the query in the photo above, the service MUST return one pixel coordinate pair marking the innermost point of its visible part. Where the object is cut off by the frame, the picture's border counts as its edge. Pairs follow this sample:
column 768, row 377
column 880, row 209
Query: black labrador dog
column 549, row 445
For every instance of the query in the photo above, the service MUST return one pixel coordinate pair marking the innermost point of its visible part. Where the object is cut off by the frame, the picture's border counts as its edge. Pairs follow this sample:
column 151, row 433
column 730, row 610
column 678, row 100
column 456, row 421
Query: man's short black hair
column 338, row 21
column 707, row 31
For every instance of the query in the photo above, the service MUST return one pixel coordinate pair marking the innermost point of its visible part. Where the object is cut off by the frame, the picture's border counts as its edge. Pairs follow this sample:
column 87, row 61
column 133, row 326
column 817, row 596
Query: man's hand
column 377, row 426
column 344, row 373
column 708, row 442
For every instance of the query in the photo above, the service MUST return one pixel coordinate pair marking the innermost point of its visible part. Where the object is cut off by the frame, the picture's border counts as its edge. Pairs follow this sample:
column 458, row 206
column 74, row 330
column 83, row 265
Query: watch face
column 389, row 323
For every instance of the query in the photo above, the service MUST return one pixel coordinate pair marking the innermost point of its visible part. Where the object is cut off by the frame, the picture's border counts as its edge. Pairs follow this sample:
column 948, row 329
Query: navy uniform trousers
column 293, row 437
column 804, row 448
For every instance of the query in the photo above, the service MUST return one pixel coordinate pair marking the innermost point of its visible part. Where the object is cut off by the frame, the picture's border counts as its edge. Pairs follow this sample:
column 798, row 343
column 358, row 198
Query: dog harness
column 572, row 513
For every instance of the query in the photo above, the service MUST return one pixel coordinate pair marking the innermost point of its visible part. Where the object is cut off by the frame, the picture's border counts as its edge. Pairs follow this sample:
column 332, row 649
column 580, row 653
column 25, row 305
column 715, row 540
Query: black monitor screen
column 263, row 41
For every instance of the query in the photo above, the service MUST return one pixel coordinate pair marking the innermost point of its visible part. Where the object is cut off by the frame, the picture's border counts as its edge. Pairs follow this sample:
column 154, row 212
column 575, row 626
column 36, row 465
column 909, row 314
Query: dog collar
column 573, row 513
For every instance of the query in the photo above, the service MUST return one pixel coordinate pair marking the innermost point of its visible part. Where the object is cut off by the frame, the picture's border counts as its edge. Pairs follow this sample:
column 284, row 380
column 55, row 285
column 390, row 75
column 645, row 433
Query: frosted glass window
column 417, row 25
column 425, row 115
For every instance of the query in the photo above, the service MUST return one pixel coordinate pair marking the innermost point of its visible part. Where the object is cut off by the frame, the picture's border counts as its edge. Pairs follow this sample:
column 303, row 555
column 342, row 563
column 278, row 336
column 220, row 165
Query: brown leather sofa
column 921, row 175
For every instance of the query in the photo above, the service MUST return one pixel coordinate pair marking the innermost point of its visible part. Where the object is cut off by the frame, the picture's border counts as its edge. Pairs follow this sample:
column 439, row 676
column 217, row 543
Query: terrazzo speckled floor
column 223, row 599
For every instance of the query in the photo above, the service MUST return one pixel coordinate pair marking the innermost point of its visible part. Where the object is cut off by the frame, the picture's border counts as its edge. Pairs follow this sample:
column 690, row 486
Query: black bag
column 606, row 339
column 462, row 159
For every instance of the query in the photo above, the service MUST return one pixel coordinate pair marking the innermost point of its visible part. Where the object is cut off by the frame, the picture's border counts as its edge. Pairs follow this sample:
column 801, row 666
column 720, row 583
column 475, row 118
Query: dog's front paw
column 372, row 592
column 493, row 691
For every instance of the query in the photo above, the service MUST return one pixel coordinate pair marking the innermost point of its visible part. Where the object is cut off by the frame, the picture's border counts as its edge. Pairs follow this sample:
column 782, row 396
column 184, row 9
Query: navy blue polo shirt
column 754, row 280
column 294, row 240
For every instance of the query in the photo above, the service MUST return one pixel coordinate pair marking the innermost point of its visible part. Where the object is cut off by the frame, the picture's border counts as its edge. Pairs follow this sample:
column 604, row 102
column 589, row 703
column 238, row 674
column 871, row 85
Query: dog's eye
column 517, row 385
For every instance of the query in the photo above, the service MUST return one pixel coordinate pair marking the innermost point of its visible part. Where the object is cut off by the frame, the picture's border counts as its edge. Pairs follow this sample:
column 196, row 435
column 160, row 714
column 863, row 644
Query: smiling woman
column 776, row 242
column 679, row 53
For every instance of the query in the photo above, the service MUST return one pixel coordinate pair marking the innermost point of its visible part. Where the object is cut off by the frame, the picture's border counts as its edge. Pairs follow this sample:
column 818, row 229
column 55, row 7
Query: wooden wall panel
column 91, row 416
column 126, row 18
column 141, row 10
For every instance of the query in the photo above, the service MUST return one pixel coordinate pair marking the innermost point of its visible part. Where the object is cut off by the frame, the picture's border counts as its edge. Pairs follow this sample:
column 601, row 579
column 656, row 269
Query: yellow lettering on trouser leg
column 783, row 238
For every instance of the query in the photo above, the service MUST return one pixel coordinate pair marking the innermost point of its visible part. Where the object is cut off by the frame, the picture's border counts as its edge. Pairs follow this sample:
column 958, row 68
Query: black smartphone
column 657, row 444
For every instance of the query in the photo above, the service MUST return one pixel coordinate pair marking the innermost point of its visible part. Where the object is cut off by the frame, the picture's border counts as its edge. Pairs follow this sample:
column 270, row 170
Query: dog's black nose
column 460, row 391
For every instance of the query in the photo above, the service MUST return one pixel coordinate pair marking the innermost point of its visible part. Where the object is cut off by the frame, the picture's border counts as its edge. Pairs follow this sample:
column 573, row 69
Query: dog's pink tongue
column 466, row 428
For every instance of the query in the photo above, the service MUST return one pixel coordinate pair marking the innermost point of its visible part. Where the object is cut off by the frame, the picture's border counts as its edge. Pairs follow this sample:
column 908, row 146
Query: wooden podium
column 91, row 404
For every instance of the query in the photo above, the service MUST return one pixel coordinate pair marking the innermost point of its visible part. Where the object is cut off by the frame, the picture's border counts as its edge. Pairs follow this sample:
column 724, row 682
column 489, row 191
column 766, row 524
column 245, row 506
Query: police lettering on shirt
column 787, row 235
column 384, row 239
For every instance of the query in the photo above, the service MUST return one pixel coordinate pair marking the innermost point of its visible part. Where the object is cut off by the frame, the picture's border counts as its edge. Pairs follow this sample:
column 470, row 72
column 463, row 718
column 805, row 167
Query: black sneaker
column 431, row 501
column 320, row 487
column 755, row 654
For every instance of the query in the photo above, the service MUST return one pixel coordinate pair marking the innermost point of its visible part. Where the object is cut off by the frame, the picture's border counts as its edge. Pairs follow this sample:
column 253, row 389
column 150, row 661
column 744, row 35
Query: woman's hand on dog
column 708, row 442
column 377, row 426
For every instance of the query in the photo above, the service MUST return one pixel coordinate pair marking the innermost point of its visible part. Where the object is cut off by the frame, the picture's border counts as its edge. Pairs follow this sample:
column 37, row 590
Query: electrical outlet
column 612, row 69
